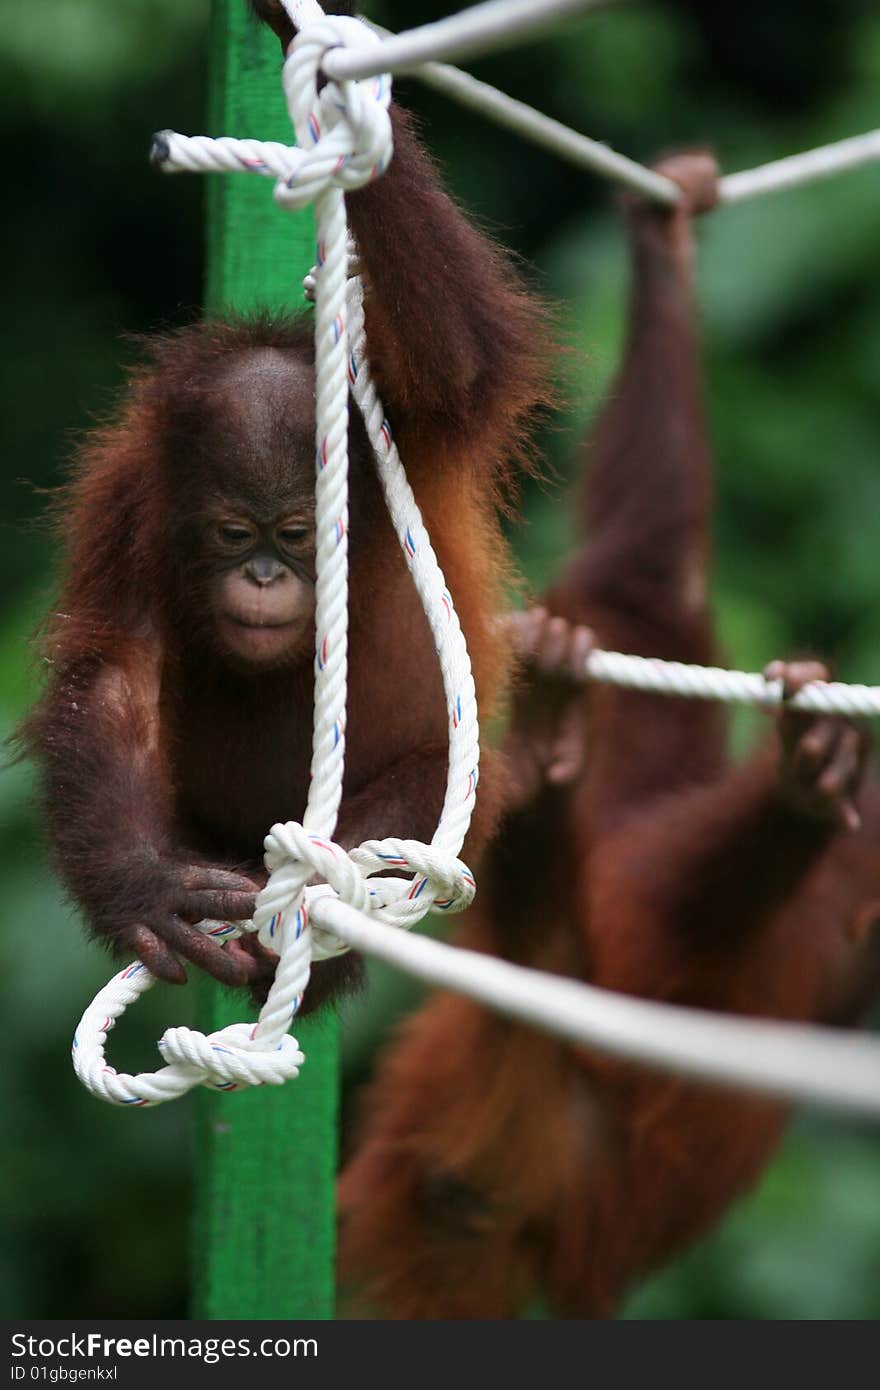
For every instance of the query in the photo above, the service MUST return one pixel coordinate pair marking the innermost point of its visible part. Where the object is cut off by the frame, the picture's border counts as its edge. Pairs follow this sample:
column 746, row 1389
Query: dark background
column 95, row 1201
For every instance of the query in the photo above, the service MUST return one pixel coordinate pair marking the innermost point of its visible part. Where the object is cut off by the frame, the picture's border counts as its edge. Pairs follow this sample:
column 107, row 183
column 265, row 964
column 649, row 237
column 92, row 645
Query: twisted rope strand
column 455, row 666
column 658, row 677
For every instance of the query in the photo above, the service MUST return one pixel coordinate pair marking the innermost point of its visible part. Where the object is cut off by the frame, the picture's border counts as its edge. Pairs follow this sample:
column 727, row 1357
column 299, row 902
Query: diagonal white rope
column 583, row 152
column 796, row 169
column 549, row 134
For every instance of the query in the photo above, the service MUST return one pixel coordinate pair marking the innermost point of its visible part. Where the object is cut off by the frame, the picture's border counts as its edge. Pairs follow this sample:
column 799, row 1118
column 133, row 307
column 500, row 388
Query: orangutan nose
column 264, row 569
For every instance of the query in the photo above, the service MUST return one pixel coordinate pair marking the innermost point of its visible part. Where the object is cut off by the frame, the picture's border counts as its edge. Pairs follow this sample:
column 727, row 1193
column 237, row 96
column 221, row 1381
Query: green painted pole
column 265, row 1158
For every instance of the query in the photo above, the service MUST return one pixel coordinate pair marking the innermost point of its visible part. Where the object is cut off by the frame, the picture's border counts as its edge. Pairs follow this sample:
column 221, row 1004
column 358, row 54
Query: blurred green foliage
column 95, row 1205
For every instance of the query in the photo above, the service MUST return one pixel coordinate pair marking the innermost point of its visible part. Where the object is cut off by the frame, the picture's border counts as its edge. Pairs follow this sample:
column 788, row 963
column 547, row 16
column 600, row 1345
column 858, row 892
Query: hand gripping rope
column 343, row 141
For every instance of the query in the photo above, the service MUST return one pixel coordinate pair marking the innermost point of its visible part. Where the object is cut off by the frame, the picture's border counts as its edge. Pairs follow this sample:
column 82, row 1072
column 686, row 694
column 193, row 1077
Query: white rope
column 791, row 1060
column 796, row 169
column 222, row 1061
column 658, row 677
column 471, row 33
column 344, row 141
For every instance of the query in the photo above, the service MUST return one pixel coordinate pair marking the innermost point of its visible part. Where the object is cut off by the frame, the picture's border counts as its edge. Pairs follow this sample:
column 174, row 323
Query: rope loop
column 343, row 130
column 223, row 1061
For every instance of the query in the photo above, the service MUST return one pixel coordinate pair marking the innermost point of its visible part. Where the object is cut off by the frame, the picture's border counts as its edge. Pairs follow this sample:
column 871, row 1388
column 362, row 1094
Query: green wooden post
column 265, row 1158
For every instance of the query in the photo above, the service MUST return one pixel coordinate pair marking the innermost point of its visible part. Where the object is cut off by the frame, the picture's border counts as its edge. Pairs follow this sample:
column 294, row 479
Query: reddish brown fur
column 495, row 1163
column 154, row 752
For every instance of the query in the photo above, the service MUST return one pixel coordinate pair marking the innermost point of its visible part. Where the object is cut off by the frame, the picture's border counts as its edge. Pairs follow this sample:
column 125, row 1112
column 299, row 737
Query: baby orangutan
column 176, row 724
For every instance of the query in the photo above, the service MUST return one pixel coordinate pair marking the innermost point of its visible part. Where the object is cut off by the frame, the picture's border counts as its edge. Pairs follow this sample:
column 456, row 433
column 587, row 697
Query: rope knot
column 231, row 1057
column 293, row 855
column 440, row 882
column 343, row 129
column 436, row 882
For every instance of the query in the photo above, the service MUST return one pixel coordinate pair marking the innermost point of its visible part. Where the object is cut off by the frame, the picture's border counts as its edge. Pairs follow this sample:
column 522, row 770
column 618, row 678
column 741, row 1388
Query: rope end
column 160, row 150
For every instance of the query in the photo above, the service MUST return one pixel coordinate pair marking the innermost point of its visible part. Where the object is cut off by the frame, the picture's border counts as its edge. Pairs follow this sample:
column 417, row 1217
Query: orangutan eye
column 294, row 537
column 234, row 535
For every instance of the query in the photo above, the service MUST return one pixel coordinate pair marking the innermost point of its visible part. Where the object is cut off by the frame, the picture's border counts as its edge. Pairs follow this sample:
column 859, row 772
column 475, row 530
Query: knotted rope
column 343, row 141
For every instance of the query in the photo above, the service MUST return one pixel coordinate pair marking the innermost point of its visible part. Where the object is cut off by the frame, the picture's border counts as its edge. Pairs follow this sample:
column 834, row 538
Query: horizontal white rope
column 658, row 677
column 471, row 33
column 791, row 1060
